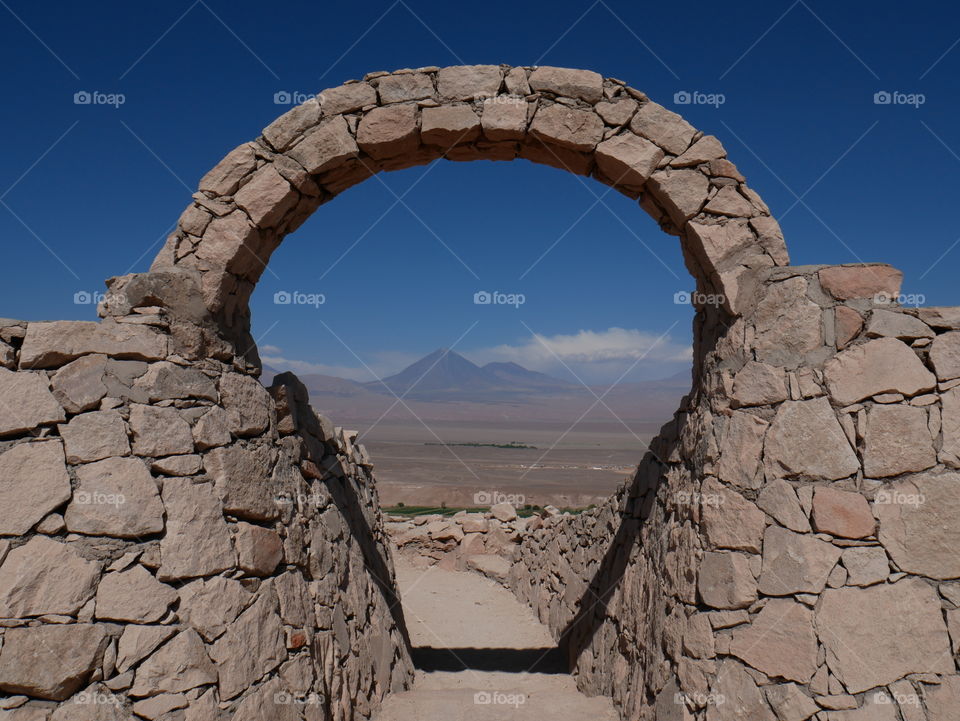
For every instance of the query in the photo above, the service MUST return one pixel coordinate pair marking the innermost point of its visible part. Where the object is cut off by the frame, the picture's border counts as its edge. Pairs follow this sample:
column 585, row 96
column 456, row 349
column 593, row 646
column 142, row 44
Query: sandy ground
column 481, row 656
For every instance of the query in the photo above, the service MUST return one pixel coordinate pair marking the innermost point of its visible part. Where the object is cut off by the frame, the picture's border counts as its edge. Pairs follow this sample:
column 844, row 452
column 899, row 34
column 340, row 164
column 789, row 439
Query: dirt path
column 481, row 656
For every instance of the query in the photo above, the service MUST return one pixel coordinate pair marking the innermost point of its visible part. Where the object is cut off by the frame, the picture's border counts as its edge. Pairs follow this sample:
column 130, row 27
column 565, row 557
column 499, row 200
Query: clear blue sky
column 90, row 191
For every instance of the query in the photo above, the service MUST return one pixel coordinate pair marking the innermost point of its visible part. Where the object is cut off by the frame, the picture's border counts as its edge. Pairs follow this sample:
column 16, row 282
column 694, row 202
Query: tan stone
column 729, row 202
column 44, row 576
column 78, row 386
column 253, row 645
column 848, row 324
column 231, row 243
column 734, row 696
column 449, row 125
column 33, row 482
column 889, row 324
column 197, row 542
column 157, row 706
column 469, row 82
column 225, row 177
column 942, row 701
column 704, row 150
column 571, row 128
column 664, row 127
column 50, row 661
column 842, row 513
column 94, row 703
column 780, row 641
column 729, row 520
column 866, row 565
column 741, row 449
column 26, row 402
column 283, row 131
column 897, row 441
column 725, row 580
column 583, row 84
column 945, row 355
column 806, row 441
column 790, row 703
column 187, row 465
column 788, row 324
column 504, row 118
column 918, row 524
column 616, row 112
column 259, row 550
column 159, row 431
column 347, row 98
column 179, row 665
column 759, row 384
column 138, row 642
column 115, row 497
column 780, row 500
column 53, row 344
column 134, row 596
column 247, row 404
column 950, row 427
column 627, row 159
column 211, row 430
column 404, row 86
column 795, row 563
column 884, row 365
column 272, row 701
column 326, row 147
column 861, row 281
column 243, row 481
column 210, row 605
column 95, row 436
column 266, row 197
column 389, row 132
column 682, row 193
column 698, row 637
column 877, row 635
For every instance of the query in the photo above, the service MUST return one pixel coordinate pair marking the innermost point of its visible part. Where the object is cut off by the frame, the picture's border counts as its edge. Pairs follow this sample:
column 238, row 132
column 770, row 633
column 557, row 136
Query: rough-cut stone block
column 729, row 202
column 212, row 429
column 788, row 324
column 583, row 84
column 115, row 497
column 27, row 402
column 52, row 344
column 325, row 147
column 795, row 563
column 945, row 356
column 759, row 384
column 628, row 159
column 790, row 703
column 741, row 450
column 780, row 641
column 346, row 98
column 404, row 86
column 866, row 565
column 734, row 696
column 95, row 436
column 703, row 151
column 504, row 118
column 225, row 177
column 780, row 500
column 164, row 381
column 266, row 197
column 292, row 124
column 212, row 604
column 469, row 82
column 78, row 386
column 449, row 125
column 918, row 524
column 137, row 642
column 259, row 550
column 247, row 404
column 50, row 662
column 848, row 324
column 729, row 520
column 877, row 635
column 243, row 481
column 33, row 482
column 664, row 127
column 889, row 324
column 180, row 665
column 232, row 243
column 884, row 365
column 725, row 580
column 861, row 281
column 389, row 132
column 806, row 441
column 159, row 431
column 616, row 112
column 897, row 441
column 570, row 128
column 44, row 576
column 197, row 542
column 134, row 596
column 842, row 513
column 682, row 193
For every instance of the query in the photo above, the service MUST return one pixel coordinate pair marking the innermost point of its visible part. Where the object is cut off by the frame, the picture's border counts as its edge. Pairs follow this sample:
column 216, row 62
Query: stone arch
column 570, row 119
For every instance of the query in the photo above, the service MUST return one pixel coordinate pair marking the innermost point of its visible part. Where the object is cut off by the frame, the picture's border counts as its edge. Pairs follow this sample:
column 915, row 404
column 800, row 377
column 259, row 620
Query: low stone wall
column 788, row 547
column 178, row 542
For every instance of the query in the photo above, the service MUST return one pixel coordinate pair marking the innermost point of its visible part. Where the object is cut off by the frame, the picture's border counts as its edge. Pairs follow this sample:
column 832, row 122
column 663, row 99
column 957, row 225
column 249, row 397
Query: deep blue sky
column 90, row 191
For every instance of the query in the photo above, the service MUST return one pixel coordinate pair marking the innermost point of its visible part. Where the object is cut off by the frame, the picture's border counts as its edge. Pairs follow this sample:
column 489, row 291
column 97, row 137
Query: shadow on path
column 507, row 660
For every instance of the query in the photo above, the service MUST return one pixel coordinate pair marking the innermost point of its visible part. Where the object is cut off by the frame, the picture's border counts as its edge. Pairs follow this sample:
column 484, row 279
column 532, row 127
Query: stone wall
column 788, row 547
column 178, row 542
